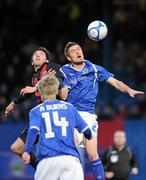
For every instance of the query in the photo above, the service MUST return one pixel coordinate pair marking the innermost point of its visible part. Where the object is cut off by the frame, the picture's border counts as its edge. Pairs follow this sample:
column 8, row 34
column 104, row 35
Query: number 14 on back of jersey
column 62, row 123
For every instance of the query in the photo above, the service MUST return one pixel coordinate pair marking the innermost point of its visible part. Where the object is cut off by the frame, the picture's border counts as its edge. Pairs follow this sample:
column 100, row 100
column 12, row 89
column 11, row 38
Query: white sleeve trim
column 85, row 129
column 63, row 73
column 34, row 127
column 67, row 86
column 95, row 74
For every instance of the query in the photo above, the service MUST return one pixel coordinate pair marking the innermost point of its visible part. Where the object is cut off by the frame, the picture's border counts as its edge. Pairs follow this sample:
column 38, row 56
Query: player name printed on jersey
column 52, row 107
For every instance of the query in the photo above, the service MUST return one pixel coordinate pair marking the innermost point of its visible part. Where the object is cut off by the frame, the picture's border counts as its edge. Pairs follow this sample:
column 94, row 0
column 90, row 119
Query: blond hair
column 48, row 87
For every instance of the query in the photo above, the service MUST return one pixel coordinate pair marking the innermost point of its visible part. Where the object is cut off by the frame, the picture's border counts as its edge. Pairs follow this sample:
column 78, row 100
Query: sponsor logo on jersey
column 75, row 80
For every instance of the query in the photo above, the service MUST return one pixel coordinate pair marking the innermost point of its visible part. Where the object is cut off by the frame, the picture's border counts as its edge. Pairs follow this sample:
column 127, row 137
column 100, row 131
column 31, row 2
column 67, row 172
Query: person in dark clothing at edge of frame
column 41, row 61
column 118, row 159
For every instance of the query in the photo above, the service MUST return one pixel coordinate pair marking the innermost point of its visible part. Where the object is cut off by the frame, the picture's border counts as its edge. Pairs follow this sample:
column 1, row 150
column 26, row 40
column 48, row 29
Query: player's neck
column 78, row 67
column 120, row 147
column 36, row 67
column 50, row 98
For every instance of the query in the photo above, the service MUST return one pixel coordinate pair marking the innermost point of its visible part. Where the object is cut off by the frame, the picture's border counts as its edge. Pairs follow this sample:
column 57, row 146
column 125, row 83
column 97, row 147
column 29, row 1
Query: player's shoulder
column 69, row 105
column 100, row 68
column 96, row 67
column 129, row 150
column 65, row 67
column 88, row 62
column 66, row 103
column 36, row 107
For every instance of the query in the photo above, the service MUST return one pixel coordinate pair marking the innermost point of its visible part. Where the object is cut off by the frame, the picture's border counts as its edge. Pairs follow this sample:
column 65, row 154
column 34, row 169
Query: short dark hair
column 45, row 50
column 68, row 45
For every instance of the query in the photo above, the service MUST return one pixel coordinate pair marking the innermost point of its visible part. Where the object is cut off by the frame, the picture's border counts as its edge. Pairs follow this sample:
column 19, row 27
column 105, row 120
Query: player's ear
column 68, row 58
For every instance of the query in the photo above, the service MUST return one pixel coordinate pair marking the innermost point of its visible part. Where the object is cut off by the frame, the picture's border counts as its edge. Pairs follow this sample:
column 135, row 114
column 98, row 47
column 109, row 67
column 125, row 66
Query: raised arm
column 28, row 90
column 12, row 105
column 119, row 85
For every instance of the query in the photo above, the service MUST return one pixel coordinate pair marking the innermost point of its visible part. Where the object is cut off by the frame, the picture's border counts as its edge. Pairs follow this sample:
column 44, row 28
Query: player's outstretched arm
column 119, row 85
column 9, row 108
column 31, row 89
column 28, row 90
column 12, row 105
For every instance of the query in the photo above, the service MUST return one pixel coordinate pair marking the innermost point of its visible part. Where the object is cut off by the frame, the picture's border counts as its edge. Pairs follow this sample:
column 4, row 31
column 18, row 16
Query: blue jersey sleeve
column 103, row 74
column 31, row 138
column 34, row 119
column 80, row 124
column 65, row 82
column 34, row 128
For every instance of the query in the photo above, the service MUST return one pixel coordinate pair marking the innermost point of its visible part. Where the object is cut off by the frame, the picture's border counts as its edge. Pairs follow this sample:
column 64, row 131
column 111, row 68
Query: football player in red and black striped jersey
column 42, row 64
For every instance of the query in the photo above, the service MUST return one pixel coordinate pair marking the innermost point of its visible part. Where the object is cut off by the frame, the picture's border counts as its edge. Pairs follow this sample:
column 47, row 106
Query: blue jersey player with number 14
column 55, row 121
column 81, row 78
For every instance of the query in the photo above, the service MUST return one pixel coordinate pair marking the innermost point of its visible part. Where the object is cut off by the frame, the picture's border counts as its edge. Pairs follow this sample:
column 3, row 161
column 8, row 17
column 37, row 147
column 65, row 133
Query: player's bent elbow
column 16, row 149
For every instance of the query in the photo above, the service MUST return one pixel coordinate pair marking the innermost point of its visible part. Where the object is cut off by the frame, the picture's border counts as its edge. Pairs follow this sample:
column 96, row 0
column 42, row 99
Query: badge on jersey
column 85, row 70
column 114, row 158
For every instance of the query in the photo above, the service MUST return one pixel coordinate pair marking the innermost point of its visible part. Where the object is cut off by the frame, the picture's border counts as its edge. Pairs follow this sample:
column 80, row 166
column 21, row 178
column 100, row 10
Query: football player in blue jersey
column 54, row 121
column 81, row 78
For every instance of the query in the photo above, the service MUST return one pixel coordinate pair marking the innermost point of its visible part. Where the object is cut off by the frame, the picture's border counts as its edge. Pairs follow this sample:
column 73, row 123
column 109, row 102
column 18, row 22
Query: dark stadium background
column 29, row 24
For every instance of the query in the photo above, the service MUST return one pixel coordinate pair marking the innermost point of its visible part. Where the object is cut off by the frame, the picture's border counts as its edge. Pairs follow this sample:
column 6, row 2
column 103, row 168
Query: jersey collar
column 76, row 69
column 40, row 68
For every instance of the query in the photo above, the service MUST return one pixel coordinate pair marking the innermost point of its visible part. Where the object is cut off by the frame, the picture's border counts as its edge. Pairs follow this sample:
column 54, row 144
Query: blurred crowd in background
column 27, row 24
